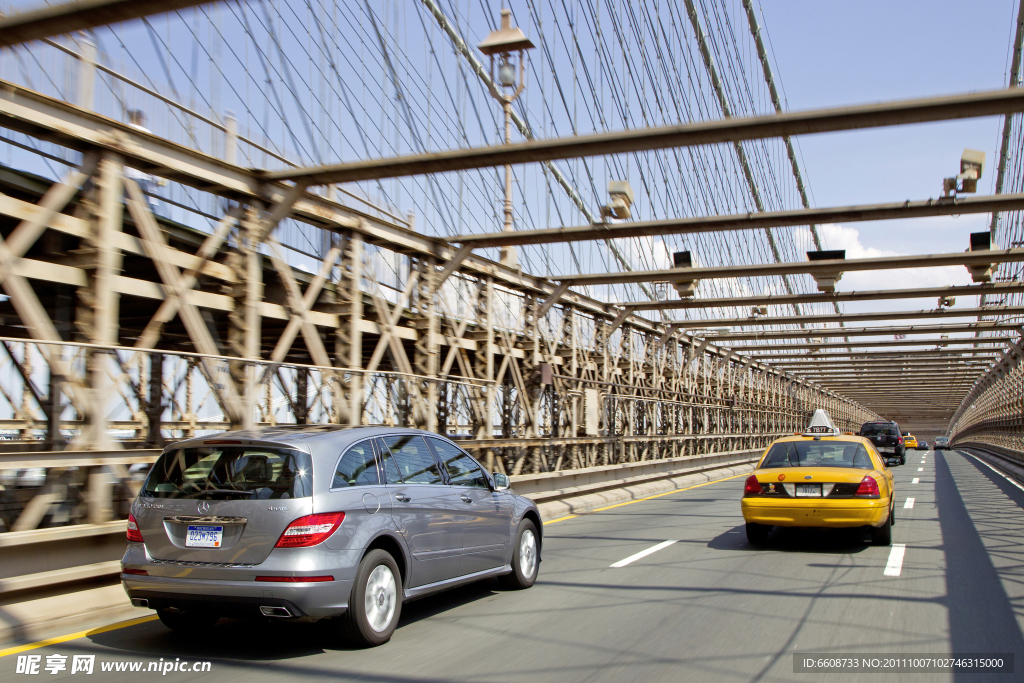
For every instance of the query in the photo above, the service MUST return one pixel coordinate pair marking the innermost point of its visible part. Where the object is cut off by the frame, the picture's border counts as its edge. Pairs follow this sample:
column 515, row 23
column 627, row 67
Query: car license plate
column 808, row 490
column 200, row 536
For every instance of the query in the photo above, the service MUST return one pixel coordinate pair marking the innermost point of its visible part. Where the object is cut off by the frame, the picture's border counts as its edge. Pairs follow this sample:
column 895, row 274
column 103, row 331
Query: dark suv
column 887, row 437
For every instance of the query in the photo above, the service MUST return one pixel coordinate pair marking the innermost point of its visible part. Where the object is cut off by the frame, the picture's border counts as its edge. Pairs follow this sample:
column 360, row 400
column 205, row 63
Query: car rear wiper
column 230, row 492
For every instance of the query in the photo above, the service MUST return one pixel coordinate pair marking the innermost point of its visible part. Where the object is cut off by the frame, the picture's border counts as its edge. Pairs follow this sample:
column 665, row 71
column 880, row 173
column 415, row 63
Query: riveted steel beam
column 969, row 258
column 81, row 15
column 748, row 221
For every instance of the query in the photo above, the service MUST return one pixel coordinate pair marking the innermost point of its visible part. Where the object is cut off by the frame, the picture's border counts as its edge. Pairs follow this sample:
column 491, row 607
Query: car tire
column 375, row 604
column 525, row 558
column 757, row 534
column 187, row 622
column 883, row 535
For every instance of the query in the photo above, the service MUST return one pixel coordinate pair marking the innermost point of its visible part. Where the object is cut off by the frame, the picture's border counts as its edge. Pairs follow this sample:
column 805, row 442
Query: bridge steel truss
column 141, row 323
column 992, row 413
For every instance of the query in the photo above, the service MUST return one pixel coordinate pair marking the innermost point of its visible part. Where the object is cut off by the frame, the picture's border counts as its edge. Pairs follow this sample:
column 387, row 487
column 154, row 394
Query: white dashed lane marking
column 643, row 553
column 920, row 469
column 916, row 481
column 895, row 564
column 909, row 504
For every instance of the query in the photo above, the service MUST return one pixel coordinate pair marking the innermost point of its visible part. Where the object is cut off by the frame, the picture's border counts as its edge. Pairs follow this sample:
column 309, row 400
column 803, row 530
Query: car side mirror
column 500, row 481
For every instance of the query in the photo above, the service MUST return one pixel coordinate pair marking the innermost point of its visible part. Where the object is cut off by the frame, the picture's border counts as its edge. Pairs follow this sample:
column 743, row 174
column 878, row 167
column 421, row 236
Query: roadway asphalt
column 708, row 607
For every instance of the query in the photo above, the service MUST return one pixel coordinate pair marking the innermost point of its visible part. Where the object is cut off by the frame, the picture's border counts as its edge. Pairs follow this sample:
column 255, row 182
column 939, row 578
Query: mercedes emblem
column 203, row 508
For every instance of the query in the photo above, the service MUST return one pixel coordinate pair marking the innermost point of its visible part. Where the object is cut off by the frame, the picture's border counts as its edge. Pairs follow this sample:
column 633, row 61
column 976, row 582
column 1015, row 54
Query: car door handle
column 402, row 498
column 465, row 498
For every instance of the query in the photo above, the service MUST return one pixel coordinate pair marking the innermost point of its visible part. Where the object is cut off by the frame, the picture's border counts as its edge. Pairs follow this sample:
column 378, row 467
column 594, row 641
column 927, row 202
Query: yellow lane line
column 561, row 519
column 656, row 495
column 75, row 636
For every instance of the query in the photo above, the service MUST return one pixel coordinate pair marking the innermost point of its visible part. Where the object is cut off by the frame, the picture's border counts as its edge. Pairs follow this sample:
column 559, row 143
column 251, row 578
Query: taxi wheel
column 883, row 535
column 376, row 600
column 186, row 622
column 757, row 534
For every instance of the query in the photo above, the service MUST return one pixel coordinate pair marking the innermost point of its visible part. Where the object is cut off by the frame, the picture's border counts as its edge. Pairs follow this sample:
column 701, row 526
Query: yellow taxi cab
column 821, row 478
column 909, row 442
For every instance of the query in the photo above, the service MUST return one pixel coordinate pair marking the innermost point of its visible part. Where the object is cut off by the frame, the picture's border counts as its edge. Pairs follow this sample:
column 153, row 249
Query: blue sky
column 831, row 53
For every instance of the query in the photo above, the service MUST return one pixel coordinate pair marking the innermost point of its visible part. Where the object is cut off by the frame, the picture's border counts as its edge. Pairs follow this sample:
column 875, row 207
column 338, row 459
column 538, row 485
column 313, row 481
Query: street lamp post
column 502, row 43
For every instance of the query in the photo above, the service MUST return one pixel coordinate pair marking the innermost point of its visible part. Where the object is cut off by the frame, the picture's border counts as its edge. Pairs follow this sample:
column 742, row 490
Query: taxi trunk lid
column 798, row 482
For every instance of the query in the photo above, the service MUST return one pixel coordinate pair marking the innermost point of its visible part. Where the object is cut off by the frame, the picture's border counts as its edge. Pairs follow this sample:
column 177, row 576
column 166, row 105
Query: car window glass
column 415, row 463
column 220, row 473
column 878, row 430
column 388, row 465
column 462, row 469
column 818, row 454
column 357, row 467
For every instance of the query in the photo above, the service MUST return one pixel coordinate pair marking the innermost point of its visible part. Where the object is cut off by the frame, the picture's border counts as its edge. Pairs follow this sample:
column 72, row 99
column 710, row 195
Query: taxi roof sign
column 821, row 425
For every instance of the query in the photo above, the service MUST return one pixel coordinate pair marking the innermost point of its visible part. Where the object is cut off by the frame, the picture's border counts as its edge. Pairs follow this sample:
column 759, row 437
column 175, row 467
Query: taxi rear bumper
column 843, row 513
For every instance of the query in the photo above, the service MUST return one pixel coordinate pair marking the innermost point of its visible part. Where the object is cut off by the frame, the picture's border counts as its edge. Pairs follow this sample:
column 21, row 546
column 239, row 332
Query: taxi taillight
column 868, row 488
column 752, row 487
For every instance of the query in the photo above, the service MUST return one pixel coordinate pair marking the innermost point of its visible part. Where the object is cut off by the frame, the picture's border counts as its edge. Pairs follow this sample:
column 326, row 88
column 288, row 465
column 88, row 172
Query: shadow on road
column 981, row 534
column 271, row 640
column 825, row 541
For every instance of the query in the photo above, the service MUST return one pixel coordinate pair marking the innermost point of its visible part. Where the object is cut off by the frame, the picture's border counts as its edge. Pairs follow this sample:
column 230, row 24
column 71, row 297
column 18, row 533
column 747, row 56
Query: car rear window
column 819, row 454
column 238, row 472
column 878, row 430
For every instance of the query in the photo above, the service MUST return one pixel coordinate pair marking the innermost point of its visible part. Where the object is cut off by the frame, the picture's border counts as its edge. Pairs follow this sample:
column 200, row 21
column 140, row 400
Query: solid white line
column 920, row 469
column 916, row 481
column 909, row 504
column 643, row 553
column 895, row 564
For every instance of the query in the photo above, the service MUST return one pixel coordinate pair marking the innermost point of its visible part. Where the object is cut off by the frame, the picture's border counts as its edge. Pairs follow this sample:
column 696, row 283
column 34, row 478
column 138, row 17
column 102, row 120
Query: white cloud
column 848, row 238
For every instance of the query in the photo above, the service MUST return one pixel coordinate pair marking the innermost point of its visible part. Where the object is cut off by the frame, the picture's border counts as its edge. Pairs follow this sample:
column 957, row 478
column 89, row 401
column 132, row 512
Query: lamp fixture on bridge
column 501, row 44
column 946, row 302
column 621, row 195
column 981, row 241
column 827, row 280
column 971, row 164
column 685, row 287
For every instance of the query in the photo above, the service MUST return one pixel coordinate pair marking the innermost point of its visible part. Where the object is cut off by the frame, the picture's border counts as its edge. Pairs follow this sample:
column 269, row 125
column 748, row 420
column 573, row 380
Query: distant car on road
column 941, row 443
column 820, row 479
column 887, row 438
column 910, row 441
column 313, row 522
column 923, row 445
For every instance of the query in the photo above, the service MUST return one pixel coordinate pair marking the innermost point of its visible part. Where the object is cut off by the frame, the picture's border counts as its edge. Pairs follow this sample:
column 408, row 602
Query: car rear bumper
column 232, row 590
column 240, row 598
column 816, row 513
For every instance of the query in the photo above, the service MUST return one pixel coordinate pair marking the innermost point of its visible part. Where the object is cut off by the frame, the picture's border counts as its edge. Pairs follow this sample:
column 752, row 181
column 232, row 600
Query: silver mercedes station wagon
column 312, row 522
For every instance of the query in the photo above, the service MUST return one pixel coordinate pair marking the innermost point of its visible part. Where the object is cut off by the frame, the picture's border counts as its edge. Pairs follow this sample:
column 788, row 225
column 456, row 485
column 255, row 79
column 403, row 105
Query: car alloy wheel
column 527, row 552
column 380, row 598
column 375, row 602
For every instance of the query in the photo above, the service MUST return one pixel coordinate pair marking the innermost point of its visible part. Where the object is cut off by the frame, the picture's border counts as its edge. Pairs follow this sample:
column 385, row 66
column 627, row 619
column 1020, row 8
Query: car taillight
column 310, row 530
column 868, row 488
column 752, row 487
column 135, row 572
column 134, row 535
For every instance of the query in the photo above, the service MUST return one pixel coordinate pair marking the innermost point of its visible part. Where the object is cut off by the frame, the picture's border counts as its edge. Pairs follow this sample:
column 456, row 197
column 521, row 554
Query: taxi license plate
column 201, row 536
column 808, row 490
